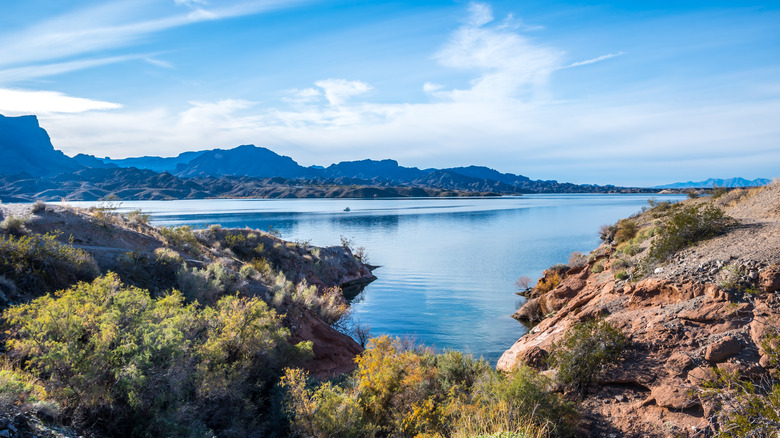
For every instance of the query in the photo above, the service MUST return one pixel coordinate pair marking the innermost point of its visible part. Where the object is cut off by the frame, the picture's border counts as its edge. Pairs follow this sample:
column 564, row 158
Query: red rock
column 673, row 396
column 769, row 280
column 722, row 349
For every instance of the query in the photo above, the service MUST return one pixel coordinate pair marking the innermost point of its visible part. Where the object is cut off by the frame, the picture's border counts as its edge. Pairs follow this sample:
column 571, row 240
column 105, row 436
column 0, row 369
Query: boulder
column 719, row 350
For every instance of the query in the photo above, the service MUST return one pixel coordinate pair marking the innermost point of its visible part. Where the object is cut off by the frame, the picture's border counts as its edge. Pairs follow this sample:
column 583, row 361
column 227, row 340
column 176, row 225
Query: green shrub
column 119, row 360
column 14, row 224
column 20, row 391
column 686, row 226
column 621, row 274
column 630, row 247
column 182, row 237
column 40, row 263
column 38, row 207
column 626, row 230
column 398, row 391
column 587, row 351
column 138, row 217
column 597, row 267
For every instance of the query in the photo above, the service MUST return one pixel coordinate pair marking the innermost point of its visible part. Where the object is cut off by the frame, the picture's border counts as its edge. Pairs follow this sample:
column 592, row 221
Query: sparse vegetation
column 686, row 226
column 138, row 217
column 38, row 207
column 41, row 263
column 181, row 236
column 586, row 352
column 14, row 224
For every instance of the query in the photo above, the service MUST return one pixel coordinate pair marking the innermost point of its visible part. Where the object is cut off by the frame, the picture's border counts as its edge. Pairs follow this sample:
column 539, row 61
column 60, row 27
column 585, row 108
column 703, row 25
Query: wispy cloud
column 593, row 60
column 109, row 26
column 12, row 75
column 16, row 102
column 509, row 64
column 337, row 91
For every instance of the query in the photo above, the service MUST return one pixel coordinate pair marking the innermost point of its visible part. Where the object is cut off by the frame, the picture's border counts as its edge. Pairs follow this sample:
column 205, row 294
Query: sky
column 635, row 93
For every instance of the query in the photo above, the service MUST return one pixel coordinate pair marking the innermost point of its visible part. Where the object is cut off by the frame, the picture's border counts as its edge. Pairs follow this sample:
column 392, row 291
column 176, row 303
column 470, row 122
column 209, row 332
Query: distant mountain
column 369, row 169
column 158, row 164
column 25, row 147
column 93, row 162
column 246, row 160
column 716, row 182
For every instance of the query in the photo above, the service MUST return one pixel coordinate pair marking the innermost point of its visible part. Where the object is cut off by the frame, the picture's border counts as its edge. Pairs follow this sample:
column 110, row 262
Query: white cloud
column 505, row 118
column 479, row 14
column 15, row 102
column 110, row 26
column 337, row 91
column 306, row 95
column 12, row 75
column 594, row 60
column 509, row 64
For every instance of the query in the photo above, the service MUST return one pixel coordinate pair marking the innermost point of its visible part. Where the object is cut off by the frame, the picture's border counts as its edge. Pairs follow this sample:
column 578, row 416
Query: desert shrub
column 621, row 274
column 21, row 392
column 588, row 350
column 692, row 194
column 14, row 224
column 105, row 210
column 744, row 408
column 620, row 263
column 524, row 284
column 577, row 259
column 39, row 263
column 208, row 284
column 630, row 247
column 38, row 207
column 607, row 232
column 182, row 237
column 523, row 397
column 401, row 391
column 248, row 271
column 717, row 192
column 126, row 364
column 626, row 230
column 546, row 284
column 167, row 255
column 138, row 217
column 597, row 267
column 686, row 226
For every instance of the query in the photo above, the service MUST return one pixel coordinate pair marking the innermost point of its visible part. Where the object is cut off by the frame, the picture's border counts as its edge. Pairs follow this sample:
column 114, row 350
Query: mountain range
column 32, row 168
column 716, row 182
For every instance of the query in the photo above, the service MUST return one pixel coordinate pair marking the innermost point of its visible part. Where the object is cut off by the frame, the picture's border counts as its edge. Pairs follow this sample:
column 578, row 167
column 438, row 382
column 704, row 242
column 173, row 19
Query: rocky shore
column 709, row 308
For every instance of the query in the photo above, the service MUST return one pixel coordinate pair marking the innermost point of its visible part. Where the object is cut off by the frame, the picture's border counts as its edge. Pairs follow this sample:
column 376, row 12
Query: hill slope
column 710, row 305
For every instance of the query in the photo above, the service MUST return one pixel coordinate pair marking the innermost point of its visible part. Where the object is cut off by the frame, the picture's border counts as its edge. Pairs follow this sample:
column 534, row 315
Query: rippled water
column 447, row 266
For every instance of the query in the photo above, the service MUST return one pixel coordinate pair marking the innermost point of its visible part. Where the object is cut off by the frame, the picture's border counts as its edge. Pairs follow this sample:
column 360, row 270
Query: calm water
column 448, row 266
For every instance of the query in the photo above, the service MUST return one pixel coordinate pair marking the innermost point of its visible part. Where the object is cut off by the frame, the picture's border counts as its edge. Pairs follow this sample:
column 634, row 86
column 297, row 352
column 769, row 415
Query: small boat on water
column 346, row 209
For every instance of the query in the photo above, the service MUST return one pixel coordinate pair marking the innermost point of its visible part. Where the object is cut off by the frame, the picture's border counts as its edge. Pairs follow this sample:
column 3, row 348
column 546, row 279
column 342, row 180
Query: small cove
column 448, row 266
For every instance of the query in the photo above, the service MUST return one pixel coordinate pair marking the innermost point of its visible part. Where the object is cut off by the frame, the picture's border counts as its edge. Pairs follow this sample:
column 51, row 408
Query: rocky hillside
column 693, row 305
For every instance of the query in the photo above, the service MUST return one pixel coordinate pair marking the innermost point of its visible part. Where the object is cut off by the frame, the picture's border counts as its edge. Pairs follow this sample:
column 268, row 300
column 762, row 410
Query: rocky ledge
column 709, row 307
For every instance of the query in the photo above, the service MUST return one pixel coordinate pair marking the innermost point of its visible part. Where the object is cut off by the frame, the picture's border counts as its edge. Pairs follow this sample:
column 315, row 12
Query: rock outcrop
column 25, row 147
column 710, row 307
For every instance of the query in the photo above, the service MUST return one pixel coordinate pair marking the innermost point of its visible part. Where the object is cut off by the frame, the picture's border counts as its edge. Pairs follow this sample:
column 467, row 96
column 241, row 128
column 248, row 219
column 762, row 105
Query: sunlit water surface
column 448, row 266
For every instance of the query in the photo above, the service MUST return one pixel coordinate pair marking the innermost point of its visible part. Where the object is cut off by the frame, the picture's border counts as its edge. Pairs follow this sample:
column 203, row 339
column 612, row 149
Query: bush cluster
column 40, row 263
column 686, row 226
column 123, row 363
column 588, row 350
column 399, row 391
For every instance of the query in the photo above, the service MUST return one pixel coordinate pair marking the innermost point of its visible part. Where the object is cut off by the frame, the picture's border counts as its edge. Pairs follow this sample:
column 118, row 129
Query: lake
column 448, row 266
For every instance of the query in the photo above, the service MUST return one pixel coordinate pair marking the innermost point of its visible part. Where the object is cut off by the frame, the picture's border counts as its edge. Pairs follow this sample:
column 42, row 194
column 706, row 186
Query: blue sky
column 627, row 93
